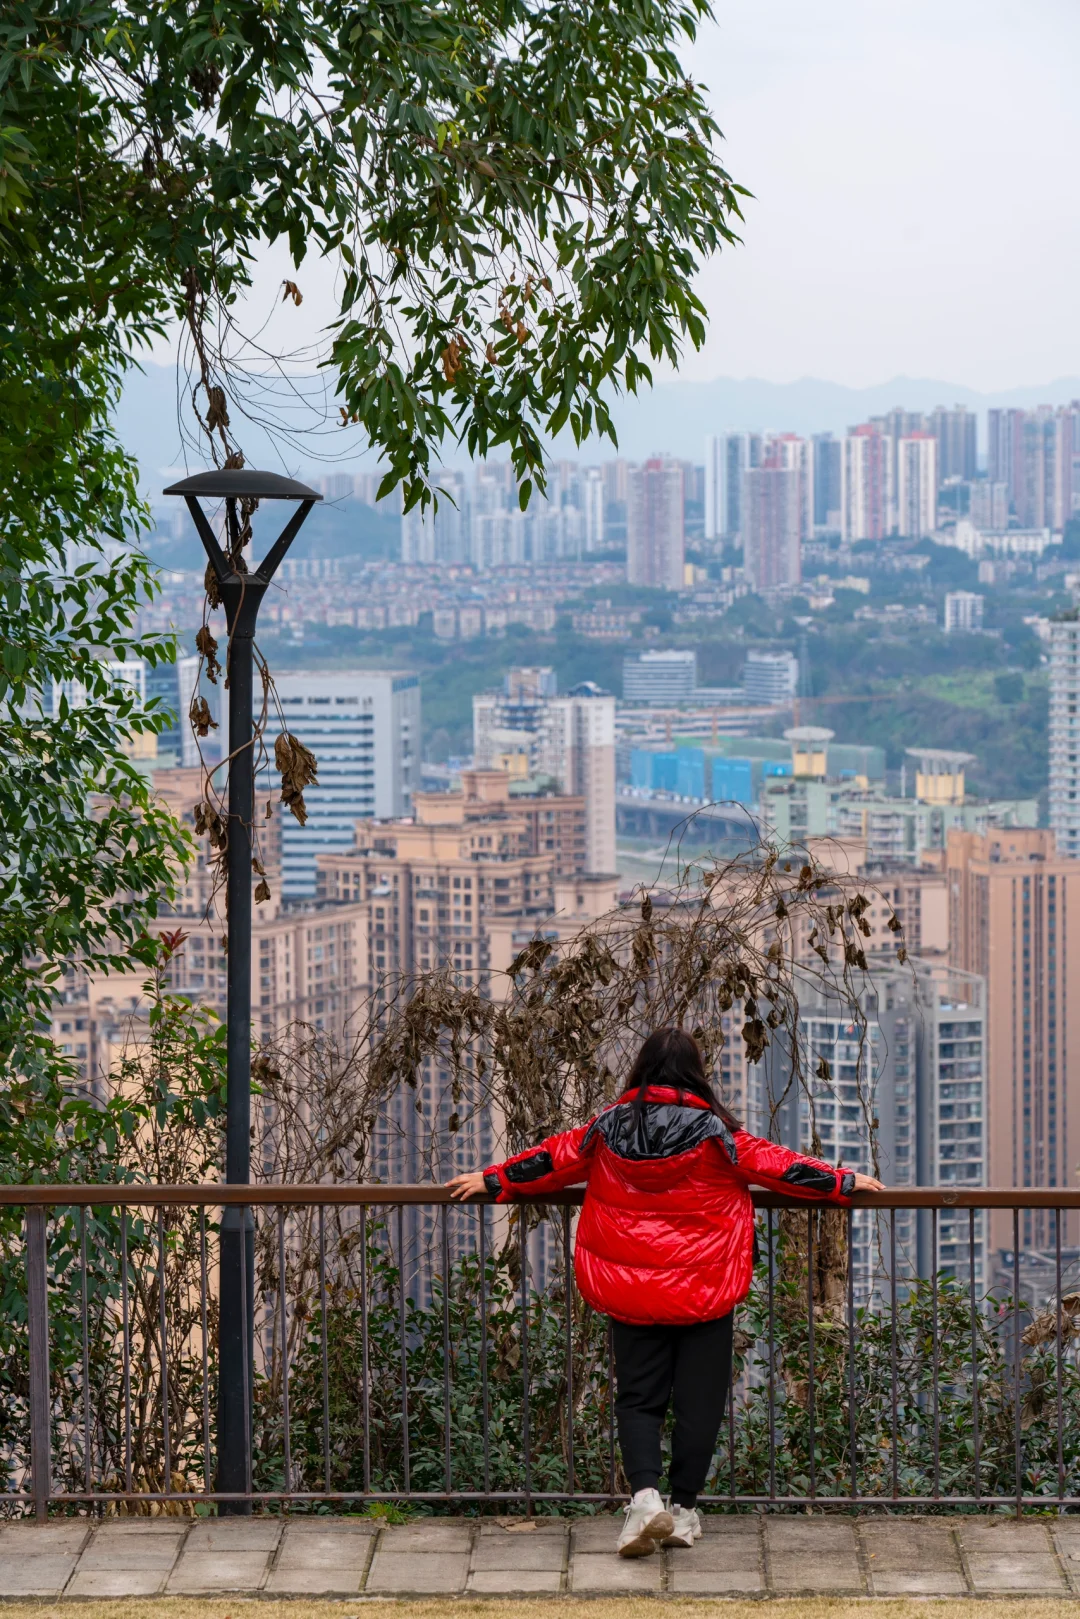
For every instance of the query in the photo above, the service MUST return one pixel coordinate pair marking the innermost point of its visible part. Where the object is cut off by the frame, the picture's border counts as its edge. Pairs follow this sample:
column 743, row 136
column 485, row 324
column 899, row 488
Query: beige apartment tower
column 1014, row 905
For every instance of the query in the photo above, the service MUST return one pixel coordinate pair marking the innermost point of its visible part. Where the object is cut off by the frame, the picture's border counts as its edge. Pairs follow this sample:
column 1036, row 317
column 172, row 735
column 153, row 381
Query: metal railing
column 411, row 1349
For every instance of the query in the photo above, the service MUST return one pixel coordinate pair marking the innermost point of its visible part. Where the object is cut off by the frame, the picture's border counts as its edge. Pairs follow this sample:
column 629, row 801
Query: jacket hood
column 653, row 1141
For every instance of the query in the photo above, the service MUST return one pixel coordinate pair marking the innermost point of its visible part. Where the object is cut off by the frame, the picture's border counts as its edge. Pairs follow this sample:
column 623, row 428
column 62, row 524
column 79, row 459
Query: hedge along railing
column 411, row 1349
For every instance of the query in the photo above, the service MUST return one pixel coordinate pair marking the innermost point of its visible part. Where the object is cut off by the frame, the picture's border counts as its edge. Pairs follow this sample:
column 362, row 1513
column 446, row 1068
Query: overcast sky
column 914, row 213
column 915, row 194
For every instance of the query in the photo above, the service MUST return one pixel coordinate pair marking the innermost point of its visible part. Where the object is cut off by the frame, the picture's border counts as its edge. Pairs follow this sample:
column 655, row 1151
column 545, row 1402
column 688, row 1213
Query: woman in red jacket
column 665, row 1248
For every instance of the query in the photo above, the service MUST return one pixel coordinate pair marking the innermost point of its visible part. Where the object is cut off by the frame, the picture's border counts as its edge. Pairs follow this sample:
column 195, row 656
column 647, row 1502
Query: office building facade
column 660, row 678
column 363, row 726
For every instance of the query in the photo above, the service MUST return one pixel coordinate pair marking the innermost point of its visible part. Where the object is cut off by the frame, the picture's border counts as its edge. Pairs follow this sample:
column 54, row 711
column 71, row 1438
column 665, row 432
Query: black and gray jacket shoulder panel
column 659, row 1130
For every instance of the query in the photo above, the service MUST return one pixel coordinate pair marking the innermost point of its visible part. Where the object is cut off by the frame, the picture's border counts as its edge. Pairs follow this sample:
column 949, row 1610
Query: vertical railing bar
column 1018, row 1439
column 247, row 1350
column 893, row 1372
column 125, row 1307
column 526, row 1424
column 772, row 1359
column 975, row 1434
column 731, row 1432
column 936, row 1352
column 406, row 1466
column 325, row 1342
column 283, row 1320
column 447, row 1457
column 365, row 1369
column 852, row 1428
column 568, row 1295
column 611, row 1408
column 166, row 1433
column 811, row 1408
column 1058, row 1358
column 204, row 1324
column 482, row 1212
column 37, row 1308
column 88, row 1470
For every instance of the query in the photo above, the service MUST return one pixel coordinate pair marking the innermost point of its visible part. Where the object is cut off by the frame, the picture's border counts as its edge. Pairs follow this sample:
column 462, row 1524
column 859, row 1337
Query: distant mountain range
column 673, row 418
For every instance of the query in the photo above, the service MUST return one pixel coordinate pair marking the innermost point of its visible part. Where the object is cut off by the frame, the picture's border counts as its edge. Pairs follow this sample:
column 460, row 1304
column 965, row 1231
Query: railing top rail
column 217, row 1194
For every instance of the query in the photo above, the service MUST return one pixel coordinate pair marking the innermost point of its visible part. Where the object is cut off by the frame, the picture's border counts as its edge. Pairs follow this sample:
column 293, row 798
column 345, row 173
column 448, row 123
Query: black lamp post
column 241, row 593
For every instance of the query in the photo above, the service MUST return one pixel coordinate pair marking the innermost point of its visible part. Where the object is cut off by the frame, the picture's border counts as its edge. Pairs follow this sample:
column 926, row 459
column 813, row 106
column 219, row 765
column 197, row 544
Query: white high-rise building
column 963, row 612
column 1065, row 731
column 570, row 739
column 660, row 677
column 595, row 502
column 441, row 533
column 770, row 677
column 728, row 457
column 363, row 726
column 865, row 484
column 916, row 485
column 655, row 527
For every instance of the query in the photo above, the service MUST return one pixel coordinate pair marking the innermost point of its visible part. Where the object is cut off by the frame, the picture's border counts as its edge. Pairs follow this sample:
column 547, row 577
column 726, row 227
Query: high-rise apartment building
column 956, row 432
column 827, row 483
column 865, row 484
column 797, row 455
column 1015, row 920
column 569, row 740
column 1036, row 454
column 363, row 726
column 918, row 1068
column 655, row 532
column 441, row 533
column 774, row 517
column 728, row 457
column 963, row 612
column 595, row 509
column 660, row 678
column 916, row 485
column 1064, row 735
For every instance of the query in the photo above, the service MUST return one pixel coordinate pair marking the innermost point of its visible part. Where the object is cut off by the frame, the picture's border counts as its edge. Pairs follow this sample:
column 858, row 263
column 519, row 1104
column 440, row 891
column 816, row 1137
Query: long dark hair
column 671, row 1057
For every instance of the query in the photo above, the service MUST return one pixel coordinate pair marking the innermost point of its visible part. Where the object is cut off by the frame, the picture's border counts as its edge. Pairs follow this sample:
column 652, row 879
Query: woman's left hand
column 865, row 1183
column 463, row 1186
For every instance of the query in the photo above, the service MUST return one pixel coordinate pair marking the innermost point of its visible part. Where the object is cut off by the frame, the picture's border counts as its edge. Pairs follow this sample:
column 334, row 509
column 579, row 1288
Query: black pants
column 688, row 1367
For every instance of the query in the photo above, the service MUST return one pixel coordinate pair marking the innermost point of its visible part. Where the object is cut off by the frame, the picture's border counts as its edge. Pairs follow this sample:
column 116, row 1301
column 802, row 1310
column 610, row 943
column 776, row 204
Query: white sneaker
column 647, row 1523
column 686, row 1527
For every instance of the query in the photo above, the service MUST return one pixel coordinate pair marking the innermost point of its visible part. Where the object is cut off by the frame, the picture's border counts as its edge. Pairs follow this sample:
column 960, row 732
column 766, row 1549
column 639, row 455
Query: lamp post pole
column 241, row 595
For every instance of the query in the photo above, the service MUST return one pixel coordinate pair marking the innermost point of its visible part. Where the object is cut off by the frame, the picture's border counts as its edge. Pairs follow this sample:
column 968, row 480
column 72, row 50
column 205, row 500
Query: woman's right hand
column 463, row 1186
column 865, row 1183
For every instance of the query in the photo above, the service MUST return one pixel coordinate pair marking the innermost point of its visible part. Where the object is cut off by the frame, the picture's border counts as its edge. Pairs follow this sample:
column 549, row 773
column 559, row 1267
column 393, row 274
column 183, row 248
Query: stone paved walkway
column 869, row 1556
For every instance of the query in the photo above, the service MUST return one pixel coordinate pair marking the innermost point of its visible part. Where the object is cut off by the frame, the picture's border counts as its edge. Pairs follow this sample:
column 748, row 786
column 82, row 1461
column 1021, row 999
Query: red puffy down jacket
column 666, row 1233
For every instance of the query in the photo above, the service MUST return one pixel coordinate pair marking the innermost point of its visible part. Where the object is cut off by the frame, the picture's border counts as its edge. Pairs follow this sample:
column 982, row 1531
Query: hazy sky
column 914, row 176
column 914, row 210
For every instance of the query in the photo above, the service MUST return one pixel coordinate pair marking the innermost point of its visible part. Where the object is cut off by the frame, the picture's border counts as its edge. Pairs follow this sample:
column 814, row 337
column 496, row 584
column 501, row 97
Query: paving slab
column 116, row 1582
column 540, row 1553
column 426, row 1572
column 509, row 1583
column 308, row 1547
column 219, row 1571
column 234, row 1535
column 909, row 1582
column 1004, row 1536
column 336, row 1581
column 595, row 1535
column 893, row 1546
column 54, row 1539
column 715, row 1554
column 42, row 1575
column 598, row 1571
column 992, row 1573
column 130, row 1551
column 687, row 1581
column 729, row 1525
column 428, row 1535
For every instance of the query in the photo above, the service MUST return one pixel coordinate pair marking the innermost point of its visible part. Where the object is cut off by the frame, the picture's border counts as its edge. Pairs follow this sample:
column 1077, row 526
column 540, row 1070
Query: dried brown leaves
column 298, row 768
